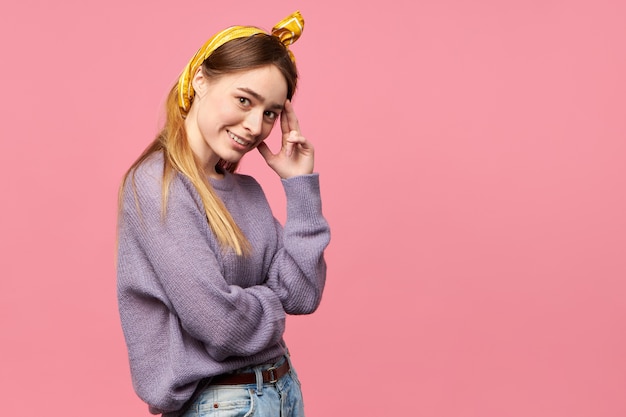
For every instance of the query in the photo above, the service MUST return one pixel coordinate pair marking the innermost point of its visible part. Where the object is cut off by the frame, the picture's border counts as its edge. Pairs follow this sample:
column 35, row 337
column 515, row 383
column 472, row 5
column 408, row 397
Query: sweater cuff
column 303, row 196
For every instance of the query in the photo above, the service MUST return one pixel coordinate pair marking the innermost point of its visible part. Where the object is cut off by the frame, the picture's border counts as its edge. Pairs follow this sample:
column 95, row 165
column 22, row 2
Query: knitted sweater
column 190, row 310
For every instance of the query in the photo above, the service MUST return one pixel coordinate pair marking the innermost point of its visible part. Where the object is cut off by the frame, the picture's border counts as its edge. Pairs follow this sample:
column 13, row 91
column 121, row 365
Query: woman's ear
column 199, row 82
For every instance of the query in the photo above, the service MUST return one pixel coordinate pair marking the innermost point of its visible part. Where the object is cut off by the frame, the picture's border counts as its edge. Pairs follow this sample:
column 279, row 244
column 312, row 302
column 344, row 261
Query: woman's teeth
column 237, row 139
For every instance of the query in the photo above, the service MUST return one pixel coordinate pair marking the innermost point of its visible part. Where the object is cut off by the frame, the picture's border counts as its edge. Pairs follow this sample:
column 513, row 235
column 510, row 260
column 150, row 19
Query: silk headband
column 287, row 31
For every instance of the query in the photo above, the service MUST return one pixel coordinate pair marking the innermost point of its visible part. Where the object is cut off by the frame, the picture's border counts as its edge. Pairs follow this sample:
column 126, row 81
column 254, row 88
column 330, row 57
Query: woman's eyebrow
column 259, row 97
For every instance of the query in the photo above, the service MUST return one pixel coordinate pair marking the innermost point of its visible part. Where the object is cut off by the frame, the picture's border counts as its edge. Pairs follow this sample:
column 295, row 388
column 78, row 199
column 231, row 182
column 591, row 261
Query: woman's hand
column 296, row 153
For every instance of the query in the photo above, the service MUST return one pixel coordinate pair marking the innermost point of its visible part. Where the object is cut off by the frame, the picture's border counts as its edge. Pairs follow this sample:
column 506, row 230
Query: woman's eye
column 244, row 101
column 270, row 115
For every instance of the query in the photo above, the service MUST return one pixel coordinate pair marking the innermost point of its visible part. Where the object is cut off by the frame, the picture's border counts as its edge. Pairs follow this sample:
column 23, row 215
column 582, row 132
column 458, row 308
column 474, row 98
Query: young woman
column 206, row 275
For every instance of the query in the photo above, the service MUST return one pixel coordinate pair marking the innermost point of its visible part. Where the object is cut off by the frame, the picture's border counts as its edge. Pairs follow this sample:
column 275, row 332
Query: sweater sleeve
column 168, row 261
column 298, row 271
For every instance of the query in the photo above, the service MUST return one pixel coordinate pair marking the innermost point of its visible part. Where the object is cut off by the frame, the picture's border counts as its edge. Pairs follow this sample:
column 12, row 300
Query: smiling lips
column 238, row 140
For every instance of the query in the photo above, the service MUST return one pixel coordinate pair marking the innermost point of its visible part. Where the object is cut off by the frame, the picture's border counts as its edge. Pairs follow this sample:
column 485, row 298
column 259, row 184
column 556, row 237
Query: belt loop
column 288, row 357
column 258, row 373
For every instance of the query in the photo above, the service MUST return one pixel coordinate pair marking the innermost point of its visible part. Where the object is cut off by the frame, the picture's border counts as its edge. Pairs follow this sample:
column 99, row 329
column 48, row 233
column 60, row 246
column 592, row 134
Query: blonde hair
column 235, row 55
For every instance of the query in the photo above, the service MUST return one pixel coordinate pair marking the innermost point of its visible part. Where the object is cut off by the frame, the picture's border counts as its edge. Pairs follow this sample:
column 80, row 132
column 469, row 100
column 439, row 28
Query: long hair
column 236, row 55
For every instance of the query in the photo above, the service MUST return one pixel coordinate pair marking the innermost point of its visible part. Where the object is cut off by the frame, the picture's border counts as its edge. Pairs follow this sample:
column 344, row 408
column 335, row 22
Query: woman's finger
column 284, row 124
column 292, row 119
column 289, row 148
column 264, row 150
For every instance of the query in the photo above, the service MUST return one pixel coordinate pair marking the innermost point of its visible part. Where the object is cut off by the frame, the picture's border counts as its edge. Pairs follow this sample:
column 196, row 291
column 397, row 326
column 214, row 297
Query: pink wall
column 473, row 162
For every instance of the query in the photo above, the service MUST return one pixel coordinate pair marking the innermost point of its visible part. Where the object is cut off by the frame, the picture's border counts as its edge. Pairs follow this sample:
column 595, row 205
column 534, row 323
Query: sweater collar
column 226, row 183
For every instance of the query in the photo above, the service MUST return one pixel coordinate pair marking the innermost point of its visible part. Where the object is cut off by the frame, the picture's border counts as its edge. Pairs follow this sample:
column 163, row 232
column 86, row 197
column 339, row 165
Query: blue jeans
column 280, row 399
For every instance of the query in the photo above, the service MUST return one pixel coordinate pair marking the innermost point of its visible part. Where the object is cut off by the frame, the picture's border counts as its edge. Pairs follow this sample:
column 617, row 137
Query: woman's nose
column 253, row 122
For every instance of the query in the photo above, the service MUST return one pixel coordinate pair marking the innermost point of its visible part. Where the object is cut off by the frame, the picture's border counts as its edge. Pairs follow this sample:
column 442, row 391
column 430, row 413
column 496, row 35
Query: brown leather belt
column 270, row 376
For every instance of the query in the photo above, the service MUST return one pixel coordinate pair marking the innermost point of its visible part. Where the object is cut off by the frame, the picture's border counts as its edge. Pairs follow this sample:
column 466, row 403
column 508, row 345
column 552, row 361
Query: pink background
column 473, row 162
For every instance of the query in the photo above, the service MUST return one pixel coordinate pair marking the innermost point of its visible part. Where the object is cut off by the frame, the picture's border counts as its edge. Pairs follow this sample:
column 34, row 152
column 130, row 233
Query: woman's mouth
column 237, row 139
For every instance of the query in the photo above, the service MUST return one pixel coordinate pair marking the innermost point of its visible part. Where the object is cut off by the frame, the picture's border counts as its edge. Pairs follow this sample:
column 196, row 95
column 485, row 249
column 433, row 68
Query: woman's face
column 231, row 114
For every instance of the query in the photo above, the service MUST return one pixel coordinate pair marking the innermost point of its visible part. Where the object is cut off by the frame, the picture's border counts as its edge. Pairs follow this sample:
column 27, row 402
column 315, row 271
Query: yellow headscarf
column 287, row 31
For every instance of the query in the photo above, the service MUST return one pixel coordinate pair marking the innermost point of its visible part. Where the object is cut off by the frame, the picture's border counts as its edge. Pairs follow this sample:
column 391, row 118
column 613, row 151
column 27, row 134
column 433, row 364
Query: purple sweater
column 189, row 310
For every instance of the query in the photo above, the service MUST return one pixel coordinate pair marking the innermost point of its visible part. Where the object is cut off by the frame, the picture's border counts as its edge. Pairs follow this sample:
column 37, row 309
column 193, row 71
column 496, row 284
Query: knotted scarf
column 287, row 31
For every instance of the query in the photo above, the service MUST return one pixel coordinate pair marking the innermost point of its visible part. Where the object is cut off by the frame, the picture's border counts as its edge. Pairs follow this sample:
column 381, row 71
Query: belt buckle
column 272, row 375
